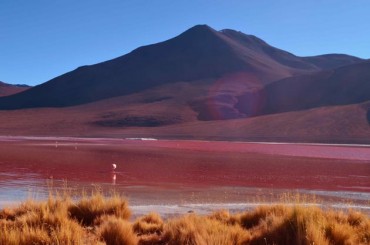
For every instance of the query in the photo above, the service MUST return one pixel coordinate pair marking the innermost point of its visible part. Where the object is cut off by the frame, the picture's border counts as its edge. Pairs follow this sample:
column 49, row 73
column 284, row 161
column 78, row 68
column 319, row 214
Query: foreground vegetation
column 97, row 219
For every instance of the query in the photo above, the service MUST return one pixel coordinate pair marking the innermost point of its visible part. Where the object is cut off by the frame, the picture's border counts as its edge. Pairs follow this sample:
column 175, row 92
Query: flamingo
column 114, row 166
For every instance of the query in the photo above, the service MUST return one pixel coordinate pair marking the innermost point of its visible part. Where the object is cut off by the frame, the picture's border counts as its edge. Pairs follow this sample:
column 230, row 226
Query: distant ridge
column 10, row 89
column 341, row 86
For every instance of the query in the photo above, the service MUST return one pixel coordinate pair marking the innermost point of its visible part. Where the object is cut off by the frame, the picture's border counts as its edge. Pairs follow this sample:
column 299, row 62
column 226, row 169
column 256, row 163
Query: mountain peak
column 202, row 27
column 199, row 31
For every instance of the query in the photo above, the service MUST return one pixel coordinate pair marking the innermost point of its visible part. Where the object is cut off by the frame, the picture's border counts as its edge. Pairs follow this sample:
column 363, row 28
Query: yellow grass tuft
column 148, row 224
column 116, row 231
column 304, row 226
column 88, row 209
column 225, row 217
column 40, row 223
column 193, row 229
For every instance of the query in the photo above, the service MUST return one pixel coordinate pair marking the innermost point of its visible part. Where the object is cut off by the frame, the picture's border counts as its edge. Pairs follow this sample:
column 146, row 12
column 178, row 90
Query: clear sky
column 42, row 39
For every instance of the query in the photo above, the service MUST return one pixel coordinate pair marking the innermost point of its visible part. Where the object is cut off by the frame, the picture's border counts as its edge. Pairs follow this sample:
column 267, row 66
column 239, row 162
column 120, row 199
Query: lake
column 177, row 176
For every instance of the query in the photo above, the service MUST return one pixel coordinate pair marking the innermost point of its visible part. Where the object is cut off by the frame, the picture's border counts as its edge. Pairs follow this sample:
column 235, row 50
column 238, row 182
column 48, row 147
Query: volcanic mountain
column 199, row 53
column 9, row 89
column 187, row 87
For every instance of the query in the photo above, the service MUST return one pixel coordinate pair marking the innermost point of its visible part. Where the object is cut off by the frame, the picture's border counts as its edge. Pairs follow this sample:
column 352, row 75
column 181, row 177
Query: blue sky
column 42, row 39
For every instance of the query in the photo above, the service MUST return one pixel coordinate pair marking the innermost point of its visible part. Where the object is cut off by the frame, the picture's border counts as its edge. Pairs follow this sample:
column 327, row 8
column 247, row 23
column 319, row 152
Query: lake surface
column 172, row 177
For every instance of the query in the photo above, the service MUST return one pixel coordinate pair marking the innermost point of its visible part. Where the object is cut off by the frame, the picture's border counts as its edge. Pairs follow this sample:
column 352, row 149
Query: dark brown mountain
column 258, row 46
column 348, row 84
column 9, row 89
column 198, row 54
column 341, row 86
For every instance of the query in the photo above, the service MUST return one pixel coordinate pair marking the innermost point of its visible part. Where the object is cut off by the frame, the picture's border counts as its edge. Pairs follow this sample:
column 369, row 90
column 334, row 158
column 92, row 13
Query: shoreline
column 167, row 203
column 76, row 138
column 355, row 152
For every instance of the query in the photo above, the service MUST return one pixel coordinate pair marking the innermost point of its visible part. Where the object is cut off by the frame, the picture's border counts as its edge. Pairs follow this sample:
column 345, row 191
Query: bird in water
column 114, row 166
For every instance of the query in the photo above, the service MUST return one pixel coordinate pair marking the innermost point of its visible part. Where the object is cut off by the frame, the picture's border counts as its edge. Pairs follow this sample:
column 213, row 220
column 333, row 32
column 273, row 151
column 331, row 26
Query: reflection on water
column 114, row 178
column 19, row 187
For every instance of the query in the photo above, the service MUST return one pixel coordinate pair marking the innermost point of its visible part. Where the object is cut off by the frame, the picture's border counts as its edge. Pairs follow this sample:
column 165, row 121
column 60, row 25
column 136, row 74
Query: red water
column 185, row 163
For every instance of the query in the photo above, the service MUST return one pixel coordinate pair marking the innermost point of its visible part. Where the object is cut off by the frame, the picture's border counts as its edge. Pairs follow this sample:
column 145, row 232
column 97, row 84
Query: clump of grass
column 57, row 220
column 305, row 225
column 40, row 223
column 116, row 231
column 88, row 209
column 148, row 224
column 24, row 236
column 193, row 229
column 249, row 220
column 225, row 217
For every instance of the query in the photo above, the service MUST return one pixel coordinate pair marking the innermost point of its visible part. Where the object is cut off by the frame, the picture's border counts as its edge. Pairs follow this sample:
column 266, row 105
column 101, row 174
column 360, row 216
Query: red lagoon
column 179, row 165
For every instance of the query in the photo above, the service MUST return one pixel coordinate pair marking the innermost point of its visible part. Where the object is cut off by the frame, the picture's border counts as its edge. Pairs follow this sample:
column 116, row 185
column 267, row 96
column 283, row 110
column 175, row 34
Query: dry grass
column 97, row 219
column 305, row 225
column 148, row 224
column 40, row 223
column 116, row 231
column 88, row 209
column 193, row 229
column 58, row 220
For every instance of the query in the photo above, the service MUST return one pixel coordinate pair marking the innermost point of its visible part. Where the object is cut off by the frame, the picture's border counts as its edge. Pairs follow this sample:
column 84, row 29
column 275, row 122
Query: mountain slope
column 331, row 61
column 9, row 89
column 233, row 98
column 345, row 85
column 333, row 124
column 251, row 44
column 197, row 54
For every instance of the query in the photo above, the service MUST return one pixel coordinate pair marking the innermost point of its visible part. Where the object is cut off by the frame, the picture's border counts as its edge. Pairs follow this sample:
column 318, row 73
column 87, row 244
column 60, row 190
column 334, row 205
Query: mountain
column 202, row 84
column 348, row 84
column 199, row 54
column 9, row 89
column 341, row 86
